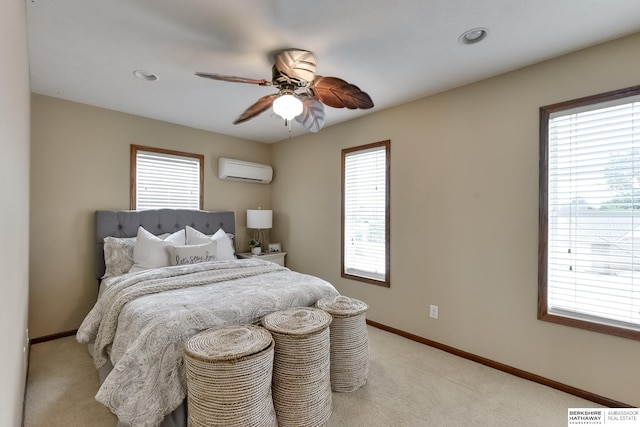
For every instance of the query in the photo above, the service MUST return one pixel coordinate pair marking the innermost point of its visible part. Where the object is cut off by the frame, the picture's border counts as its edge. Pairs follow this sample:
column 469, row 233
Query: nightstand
column 277, row 257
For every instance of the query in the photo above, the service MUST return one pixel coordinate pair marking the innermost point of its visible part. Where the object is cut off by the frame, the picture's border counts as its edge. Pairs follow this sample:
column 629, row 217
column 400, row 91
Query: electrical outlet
column 433, row 311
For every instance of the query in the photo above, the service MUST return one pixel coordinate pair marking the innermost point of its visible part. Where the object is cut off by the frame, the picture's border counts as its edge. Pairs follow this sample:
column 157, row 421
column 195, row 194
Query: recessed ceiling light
column 473, row 35
column 145, row 75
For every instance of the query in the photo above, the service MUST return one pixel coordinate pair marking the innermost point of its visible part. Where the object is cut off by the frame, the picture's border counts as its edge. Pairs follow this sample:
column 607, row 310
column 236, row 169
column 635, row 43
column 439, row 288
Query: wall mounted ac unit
column 239, row 170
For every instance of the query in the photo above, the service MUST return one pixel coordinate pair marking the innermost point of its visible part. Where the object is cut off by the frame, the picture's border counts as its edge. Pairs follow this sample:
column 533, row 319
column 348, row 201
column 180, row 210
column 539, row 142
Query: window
column 589, row 238
column 165, row 179
column 365, row 213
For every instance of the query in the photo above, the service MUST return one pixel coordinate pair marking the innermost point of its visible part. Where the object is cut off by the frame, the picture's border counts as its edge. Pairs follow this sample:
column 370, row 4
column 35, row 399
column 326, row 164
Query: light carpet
column 410, row 384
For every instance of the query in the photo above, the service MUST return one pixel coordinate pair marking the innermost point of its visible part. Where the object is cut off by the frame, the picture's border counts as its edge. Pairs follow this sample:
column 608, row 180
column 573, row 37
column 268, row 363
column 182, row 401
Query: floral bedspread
column 144, row 319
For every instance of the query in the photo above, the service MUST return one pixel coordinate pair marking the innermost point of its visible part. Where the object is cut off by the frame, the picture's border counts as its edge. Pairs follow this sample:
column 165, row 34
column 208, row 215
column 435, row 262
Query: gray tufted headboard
column 125, row 223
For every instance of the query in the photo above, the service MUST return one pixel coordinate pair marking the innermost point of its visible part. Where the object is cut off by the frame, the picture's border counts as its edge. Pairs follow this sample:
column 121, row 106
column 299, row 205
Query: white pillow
column 192, row 254
column 224, row 251
column 151, row 251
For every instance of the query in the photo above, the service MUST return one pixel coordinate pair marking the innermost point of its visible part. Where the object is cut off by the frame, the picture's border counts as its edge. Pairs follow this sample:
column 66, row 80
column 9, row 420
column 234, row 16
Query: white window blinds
column 365, row 213
column 167, row 181
column 593, row 255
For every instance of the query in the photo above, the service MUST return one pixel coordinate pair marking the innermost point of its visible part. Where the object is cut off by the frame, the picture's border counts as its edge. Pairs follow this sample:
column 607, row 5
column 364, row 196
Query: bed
column 179, row 276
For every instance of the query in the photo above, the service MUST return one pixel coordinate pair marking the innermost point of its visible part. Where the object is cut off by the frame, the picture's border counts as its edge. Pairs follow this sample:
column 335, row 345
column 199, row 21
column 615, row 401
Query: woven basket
column 349, row 342
column 301, row 372
column 229, row 373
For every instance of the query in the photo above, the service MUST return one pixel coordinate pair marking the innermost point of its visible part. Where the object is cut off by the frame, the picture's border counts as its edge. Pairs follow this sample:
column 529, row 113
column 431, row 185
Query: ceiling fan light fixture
column 472, row 36
column 294, row 70
column 287, row 106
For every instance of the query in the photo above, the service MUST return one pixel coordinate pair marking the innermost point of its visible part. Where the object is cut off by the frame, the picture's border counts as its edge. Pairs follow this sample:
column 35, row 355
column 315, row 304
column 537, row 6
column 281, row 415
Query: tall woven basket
column 301, row 372
column 349, row 342
column 229, row 373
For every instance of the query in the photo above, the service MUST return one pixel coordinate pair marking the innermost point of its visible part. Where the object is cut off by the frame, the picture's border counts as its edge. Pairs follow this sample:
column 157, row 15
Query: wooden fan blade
column 260, row 106
column 338, row 93
column 297, row 64
column 312, row 116
column 261, row 82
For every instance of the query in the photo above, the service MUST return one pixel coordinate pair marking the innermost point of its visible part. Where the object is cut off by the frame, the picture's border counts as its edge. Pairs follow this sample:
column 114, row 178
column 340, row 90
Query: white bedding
column 143, row 319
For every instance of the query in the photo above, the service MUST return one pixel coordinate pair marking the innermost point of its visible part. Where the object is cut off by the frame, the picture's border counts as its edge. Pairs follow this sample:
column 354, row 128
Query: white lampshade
column 260, row 219
column 287, row 106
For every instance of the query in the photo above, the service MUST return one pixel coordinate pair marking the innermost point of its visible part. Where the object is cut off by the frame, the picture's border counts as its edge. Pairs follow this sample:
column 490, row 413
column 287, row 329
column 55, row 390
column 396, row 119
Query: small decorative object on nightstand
column 275, row 247
column 256, row 246
column 277, row 257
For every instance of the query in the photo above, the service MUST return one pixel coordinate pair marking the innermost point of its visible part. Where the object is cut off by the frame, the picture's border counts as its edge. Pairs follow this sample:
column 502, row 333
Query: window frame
column 543, row 223
column 387, row 275
column 133, row 171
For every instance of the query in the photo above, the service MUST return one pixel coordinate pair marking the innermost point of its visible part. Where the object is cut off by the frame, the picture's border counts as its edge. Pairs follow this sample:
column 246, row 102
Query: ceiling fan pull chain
column 287, row 123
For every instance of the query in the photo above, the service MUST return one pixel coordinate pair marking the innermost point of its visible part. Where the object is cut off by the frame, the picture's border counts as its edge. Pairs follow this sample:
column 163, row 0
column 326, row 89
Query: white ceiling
column 396, row 51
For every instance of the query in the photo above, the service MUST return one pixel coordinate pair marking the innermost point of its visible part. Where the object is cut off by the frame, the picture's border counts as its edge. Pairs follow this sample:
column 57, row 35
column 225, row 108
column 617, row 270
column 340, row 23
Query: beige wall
column 80, row 163
column 14, row 193
column 464, row 218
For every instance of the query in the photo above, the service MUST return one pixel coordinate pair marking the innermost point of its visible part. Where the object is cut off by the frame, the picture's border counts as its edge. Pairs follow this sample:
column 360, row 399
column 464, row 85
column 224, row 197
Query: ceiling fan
column 301, row 93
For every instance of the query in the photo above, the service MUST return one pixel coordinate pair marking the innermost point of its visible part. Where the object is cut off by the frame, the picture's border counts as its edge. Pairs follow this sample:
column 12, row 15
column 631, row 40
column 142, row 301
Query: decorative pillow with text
column 192, row 254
